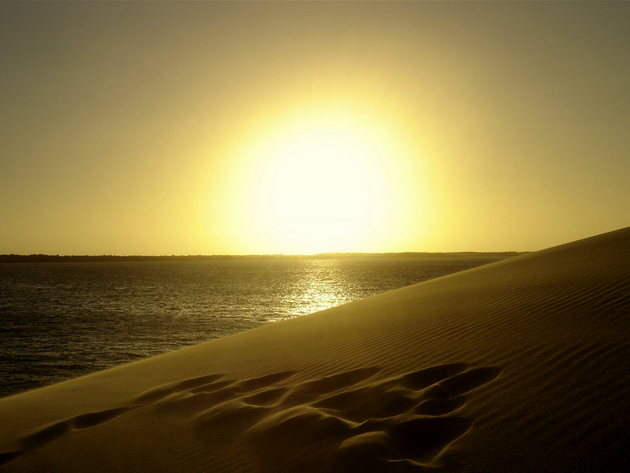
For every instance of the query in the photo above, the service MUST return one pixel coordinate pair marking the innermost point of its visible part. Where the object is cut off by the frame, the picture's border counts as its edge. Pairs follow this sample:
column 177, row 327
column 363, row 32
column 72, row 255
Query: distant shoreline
column 42, row 258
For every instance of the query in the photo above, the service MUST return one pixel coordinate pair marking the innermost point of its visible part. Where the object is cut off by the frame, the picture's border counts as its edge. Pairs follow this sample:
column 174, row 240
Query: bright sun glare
column 321, row 191
column 329, row 183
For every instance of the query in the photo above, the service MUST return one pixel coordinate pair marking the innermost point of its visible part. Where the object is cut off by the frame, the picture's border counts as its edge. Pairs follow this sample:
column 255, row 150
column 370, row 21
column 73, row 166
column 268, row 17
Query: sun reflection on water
column 324, row 286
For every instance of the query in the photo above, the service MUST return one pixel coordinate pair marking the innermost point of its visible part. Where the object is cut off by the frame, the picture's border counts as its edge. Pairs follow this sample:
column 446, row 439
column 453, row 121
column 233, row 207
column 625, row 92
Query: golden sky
column 282, row 127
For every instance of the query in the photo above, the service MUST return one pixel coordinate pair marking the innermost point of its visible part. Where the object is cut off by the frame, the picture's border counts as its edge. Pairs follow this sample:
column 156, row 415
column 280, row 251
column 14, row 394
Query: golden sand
column 521, row 365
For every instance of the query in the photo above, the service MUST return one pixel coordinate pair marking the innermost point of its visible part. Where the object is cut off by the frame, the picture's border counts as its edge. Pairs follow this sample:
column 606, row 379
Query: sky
column 303, row 127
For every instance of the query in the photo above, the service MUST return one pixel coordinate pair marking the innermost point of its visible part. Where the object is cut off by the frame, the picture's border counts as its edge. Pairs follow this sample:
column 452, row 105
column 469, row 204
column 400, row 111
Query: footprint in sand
column 348, row 422
column 352, row 421
column 53, row 431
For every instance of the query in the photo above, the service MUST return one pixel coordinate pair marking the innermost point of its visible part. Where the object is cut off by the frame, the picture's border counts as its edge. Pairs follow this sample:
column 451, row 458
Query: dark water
column 62, row 320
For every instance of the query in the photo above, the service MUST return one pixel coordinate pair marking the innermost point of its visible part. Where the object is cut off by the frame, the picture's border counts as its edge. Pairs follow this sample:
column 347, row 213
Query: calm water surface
column 62, row 320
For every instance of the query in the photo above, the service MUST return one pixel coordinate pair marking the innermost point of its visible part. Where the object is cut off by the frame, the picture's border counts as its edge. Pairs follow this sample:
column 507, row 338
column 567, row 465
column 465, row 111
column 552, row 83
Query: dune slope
column 522, row 365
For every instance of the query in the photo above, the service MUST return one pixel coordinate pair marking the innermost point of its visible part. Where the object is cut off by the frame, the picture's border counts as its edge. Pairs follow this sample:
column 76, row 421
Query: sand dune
column 522, row 365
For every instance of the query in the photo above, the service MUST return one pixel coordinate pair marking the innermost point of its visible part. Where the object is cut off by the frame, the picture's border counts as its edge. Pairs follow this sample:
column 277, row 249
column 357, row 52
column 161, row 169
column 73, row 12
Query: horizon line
column 42, row 257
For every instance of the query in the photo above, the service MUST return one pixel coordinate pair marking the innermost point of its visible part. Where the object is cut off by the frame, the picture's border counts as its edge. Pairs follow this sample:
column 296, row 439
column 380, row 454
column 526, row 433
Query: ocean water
column 62, row 320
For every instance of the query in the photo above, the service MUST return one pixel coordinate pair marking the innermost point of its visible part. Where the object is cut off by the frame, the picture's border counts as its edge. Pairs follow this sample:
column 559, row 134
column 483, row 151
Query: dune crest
column 520, row 365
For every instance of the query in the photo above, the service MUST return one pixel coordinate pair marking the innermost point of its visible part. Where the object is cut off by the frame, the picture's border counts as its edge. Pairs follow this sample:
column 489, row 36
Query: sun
column 318, row 188
column 321, row 193
column 333, row 181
